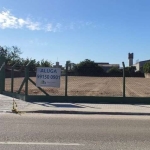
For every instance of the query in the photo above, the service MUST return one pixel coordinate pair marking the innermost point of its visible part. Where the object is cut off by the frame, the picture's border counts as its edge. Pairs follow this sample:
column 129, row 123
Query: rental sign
column 48, row 77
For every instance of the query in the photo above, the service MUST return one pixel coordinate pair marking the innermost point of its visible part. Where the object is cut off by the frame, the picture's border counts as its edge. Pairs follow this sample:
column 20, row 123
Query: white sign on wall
column 48, row 77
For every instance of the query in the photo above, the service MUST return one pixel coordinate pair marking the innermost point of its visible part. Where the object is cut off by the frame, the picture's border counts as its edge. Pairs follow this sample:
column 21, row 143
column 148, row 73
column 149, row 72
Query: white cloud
column 53, row 27
column 33, row 25
column 57, row 27
column 79, row 25
column 8, row 20
column 21, row 22
column 49, row 27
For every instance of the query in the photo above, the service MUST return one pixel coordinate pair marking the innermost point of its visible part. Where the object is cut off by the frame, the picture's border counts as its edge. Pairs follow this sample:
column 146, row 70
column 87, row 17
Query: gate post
column 66, row 80
column 27, row 77
column 2, row 74
column 26, row 80
column 12, row 77
column 124, row 88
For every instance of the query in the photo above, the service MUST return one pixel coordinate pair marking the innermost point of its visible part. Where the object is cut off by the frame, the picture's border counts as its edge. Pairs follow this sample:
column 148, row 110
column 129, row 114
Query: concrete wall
column 147, row 75
column 137, row 66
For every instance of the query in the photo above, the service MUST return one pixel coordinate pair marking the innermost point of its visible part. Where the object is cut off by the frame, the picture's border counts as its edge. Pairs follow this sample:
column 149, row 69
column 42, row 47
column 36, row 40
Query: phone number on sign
column 40, row 76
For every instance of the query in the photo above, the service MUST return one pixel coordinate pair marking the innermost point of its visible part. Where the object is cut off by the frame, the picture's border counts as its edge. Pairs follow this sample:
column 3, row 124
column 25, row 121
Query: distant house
column 139, row 65
column 57, row 65
column 107, row 66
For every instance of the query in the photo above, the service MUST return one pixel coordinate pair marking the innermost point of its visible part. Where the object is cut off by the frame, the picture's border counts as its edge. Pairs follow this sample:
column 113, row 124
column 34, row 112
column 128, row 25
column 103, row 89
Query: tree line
column 13, row 55
column 90, row 68
column 84, row 68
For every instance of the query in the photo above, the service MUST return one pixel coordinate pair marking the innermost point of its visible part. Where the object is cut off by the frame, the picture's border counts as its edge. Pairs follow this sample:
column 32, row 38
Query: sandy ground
column 89, row 86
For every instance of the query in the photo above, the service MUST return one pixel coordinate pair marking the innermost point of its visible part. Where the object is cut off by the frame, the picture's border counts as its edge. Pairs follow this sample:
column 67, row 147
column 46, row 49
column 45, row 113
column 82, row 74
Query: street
column 73, row 132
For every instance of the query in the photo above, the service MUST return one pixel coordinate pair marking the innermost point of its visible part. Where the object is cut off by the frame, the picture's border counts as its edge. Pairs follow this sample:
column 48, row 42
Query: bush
column 146, row 67
column 114, row 72
column 88, row 68
column 138, row 74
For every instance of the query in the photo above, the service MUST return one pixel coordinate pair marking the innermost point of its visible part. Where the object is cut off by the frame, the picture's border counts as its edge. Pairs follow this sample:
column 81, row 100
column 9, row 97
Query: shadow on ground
column 85, row 112
column 67, row 105
column 46, row 104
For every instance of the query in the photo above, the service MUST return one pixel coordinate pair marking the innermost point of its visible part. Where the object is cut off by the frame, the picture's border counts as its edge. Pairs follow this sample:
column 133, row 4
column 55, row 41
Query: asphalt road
column 74, row 132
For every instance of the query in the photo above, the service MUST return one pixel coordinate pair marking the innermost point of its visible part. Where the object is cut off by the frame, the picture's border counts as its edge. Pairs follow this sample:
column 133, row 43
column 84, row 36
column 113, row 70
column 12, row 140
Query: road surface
column 74, row 132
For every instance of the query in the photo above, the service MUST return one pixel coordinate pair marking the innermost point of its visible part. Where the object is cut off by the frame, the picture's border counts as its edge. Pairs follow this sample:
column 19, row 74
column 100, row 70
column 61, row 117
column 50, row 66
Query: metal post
column 2, row 74
column 27, row 77
column 12, row 77
column 26, row 80
column 12, row 80
column 123, row 79
column 66, row 81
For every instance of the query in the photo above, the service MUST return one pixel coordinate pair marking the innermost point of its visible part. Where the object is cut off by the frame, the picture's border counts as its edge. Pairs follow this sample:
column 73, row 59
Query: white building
column 139, row 65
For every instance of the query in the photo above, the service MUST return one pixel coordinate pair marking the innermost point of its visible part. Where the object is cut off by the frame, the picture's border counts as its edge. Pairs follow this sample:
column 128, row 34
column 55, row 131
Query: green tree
column 46, row 63
column 15, row 53
column 130, row 71
column 12, row 54
column 114, row 71
column 5, row 52
column 146, row 67
column 88, row 68
column 32, row 66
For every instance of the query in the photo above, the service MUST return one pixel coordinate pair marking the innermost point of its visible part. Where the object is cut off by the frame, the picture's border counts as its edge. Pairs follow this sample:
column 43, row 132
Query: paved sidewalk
column 84, row 108
column 73, row 108
column 6, row 103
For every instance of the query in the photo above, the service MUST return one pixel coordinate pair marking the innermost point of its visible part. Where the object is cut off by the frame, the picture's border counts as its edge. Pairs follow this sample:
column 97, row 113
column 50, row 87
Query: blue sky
column 99, row 30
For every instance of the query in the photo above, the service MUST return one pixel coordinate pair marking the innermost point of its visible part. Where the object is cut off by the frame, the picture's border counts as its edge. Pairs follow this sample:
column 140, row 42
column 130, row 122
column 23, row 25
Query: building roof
column 109, row 65
column 102, row 63
column 143, row 61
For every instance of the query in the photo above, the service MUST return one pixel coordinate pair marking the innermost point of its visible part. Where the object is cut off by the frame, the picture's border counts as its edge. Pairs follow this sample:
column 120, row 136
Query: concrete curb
column 85, row 112
column 8, row 111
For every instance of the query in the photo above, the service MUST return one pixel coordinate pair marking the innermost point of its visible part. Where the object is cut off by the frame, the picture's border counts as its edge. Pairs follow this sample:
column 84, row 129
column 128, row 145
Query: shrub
column 114, row 72
column 146, row 67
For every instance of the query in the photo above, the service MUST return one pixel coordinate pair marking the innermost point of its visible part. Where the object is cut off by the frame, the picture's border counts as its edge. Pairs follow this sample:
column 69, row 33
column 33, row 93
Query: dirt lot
column 90, row 86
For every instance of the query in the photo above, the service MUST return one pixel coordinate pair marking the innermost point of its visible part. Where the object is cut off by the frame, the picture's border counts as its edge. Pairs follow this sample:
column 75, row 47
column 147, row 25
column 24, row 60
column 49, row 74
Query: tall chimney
column 130, row 57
